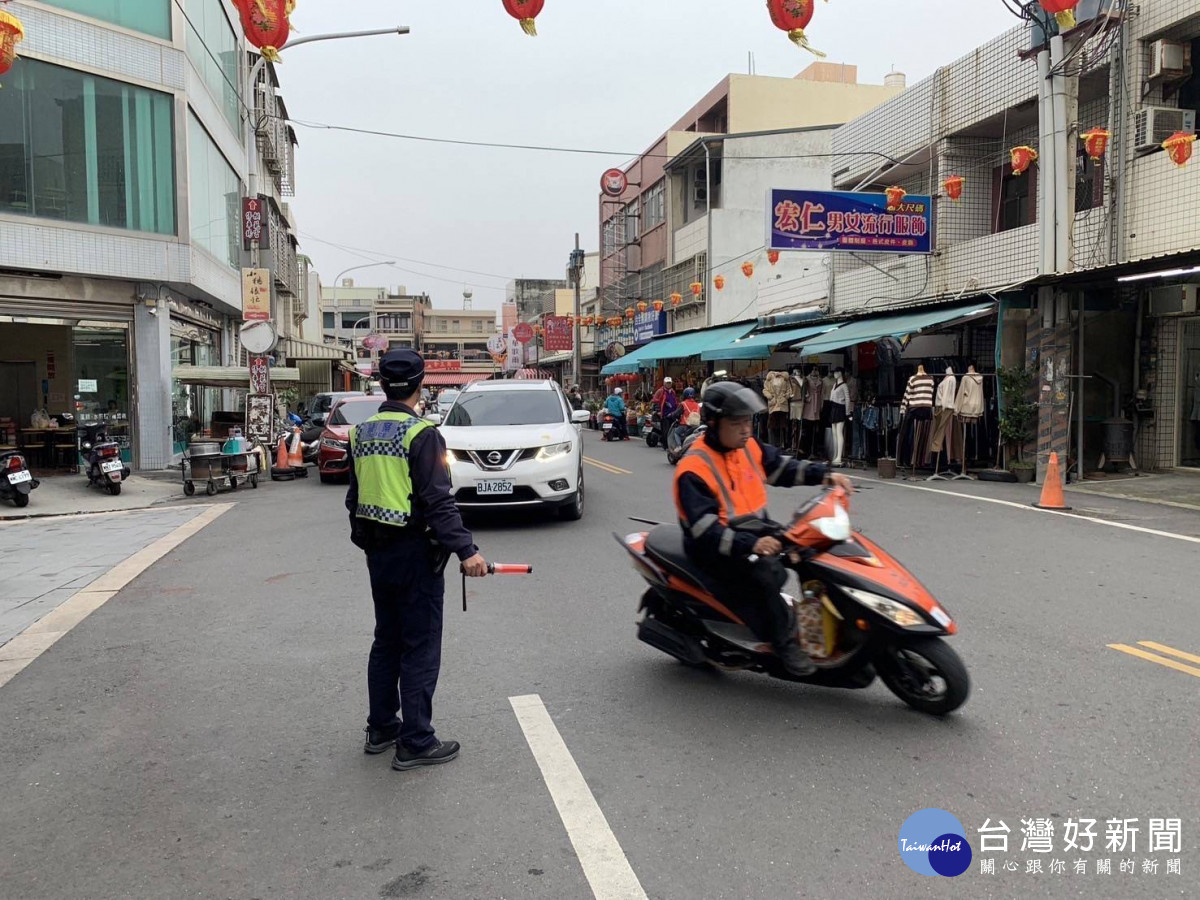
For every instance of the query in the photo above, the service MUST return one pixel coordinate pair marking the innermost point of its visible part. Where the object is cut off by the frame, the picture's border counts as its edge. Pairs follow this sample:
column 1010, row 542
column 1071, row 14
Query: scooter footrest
column 668, row 640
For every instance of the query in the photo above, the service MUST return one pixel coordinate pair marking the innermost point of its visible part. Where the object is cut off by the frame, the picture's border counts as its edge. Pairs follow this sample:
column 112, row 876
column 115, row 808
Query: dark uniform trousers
column 408, row 594
column 751, row 591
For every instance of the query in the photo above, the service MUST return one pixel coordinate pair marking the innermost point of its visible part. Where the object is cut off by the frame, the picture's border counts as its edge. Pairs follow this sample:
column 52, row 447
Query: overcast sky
column 610, row 75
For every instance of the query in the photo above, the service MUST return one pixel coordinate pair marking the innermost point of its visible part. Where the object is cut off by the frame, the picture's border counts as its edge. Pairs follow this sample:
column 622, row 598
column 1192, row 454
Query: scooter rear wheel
column 927, row 674
column 21, row 500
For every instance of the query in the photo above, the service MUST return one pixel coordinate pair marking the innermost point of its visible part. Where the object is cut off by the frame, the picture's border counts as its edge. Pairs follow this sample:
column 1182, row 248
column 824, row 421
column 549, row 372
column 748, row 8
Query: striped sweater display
column 918, row 393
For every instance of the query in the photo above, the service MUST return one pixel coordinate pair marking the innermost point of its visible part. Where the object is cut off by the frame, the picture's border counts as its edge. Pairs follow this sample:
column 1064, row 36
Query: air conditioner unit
column 1154, row 124
column 1173, row 300
column 700, row 195
column 1169, row 60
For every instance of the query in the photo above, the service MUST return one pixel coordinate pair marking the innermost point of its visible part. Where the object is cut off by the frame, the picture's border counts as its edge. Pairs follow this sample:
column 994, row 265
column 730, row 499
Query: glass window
column 212, row 47
column 102, row 382
column 327, row 321
column 507, row 408
column 655, row 206
column 147, row 16
column 215, row 197
column 86, row 149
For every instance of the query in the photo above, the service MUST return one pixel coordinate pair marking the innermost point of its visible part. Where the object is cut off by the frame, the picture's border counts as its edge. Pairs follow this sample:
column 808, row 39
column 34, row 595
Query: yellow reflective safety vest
column 380, row 448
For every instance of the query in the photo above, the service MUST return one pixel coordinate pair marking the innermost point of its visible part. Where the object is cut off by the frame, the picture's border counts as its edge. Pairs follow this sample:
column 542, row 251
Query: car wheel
column 327, row 479
column 573, row 511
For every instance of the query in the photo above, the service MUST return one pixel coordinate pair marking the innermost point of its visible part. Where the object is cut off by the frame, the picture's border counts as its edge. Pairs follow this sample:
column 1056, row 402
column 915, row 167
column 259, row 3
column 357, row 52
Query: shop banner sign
column 443, row 365
column 848, row 221
column 260, row 415
column 260, row 375
column 256, row 295
column 647, row 325
column 255, row 228
column 558, row 335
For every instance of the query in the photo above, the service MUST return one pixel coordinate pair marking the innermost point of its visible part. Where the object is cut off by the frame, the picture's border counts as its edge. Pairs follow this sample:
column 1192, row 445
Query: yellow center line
column 614, row 470
column 1154, row 658
column 1170, row 651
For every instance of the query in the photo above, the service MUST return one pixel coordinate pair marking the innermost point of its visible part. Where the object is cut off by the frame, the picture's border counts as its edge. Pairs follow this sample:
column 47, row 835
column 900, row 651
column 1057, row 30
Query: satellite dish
column 258, row 337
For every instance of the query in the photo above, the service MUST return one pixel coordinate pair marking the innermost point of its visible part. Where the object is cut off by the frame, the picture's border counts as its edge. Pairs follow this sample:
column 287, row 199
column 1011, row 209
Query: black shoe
column 441, row 752
column 380, row 739
column 795, row 660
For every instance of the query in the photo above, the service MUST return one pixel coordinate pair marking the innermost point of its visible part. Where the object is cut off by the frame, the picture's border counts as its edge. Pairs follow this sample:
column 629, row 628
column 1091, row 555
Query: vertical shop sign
column 256, row 295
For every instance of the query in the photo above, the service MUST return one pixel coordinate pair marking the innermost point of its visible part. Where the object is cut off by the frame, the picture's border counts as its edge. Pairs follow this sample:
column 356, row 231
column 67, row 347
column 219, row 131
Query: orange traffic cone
column 1052, row 487
column 281, row 454
column 295, row 458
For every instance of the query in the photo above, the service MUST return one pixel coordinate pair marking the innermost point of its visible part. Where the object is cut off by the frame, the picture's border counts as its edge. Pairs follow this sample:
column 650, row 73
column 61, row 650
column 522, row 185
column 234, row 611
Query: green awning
column 862, row 330
column 761, row 344
column 683, row 345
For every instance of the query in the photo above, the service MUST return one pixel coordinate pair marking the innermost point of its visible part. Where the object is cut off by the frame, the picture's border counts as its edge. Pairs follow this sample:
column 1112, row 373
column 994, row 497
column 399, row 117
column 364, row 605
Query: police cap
column 402, row 369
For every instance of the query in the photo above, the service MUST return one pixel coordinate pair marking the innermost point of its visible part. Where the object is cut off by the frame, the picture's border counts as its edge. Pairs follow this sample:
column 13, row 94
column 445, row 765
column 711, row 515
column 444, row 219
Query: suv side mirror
column 580, row 415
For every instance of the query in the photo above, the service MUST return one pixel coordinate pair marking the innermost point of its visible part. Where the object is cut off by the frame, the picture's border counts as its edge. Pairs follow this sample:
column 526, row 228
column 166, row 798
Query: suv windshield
column 354, row 413
column 507, row 408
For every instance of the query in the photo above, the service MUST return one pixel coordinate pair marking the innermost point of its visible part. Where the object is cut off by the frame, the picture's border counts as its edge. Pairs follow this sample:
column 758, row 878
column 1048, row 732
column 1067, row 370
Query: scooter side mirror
column 87, row 446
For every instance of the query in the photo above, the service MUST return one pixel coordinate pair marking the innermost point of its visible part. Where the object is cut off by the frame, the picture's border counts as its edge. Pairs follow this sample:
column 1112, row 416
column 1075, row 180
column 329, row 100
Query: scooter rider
column 724, row 478
column 615, row 404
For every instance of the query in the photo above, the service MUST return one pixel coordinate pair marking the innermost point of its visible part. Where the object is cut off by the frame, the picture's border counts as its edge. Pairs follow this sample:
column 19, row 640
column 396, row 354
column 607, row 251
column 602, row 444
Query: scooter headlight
column 887, row 607
column 835, row 527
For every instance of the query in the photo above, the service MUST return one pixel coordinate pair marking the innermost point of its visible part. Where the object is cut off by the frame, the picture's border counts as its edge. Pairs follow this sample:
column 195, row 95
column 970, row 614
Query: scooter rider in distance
column 723, row 481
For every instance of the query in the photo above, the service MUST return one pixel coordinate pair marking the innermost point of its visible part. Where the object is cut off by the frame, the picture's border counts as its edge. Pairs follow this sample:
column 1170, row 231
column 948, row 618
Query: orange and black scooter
column 861, row 613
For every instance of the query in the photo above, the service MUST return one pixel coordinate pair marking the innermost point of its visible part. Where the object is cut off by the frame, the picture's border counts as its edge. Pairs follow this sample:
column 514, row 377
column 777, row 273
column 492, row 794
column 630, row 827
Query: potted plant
column 1016, row 420
column 593, row 407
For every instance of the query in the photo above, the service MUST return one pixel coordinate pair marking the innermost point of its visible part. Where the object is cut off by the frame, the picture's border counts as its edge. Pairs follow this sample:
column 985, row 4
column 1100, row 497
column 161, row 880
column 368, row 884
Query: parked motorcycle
column 16, row 481
column 310, row 438
column 862, row 614
column 102, row 458
column 654, row 433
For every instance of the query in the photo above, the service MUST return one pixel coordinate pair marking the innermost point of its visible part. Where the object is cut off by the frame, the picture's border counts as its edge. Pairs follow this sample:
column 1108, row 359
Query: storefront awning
column 862, row 330
column 762, row 344
column 452, row 379
column 676, row 346
column 230, row 376
column 293, row 348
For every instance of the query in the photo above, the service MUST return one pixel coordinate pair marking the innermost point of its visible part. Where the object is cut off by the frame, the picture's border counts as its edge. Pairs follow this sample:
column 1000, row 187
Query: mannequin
column 969, row 402
column 917, row 411
column 839, row 402
column 814, row 399
column 778, row 390
column 943, row 411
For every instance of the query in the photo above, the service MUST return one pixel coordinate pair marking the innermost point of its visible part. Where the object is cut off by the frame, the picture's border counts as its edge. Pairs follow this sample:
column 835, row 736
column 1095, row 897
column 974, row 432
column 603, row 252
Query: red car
column 333, row 456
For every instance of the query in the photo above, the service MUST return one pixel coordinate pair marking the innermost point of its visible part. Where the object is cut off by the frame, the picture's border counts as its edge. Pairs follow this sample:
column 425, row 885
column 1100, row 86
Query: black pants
column 751, row 591
column 407, row 651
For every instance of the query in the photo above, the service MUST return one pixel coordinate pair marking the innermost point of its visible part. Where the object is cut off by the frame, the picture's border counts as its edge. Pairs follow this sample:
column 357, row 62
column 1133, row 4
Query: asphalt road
column 199, row 735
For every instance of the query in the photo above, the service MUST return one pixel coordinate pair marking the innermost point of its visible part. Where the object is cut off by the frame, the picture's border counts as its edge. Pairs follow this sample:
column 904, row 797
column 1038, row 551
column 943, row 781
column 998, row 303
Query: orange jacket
column 737, row 479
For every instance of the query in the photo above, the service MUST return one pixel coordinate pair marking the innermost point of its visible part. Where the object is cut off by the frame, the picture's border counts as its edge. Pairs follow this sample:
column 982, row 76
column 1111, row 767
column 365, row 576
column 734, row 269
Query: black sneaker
column 795, row 660
column 380, row 739
column 441, row 752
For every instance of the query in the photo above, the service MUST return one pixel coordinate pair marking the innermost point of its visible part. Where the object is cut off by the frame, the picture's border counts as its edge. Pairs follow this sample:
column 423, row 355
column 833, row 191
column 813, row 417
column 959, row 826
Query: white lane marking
column 45, row 632
column 1030, row 508
column 604, row 863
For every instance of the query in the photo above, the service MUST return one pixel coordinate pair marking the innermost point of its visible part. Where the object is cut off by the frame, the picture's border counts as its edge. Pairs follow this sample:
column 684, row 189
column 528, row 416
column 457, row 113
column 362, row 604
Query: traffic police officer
column 403, row 516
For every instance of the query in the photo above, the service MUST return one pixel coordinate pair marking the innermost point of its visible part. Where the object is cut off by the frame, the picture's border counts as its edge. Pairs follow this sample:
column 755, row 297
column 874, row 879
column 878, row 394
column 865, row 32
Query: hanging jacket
column 777, row 388
column 918, row 393
column 969, row 403
column 814, row 397
column 946, row 391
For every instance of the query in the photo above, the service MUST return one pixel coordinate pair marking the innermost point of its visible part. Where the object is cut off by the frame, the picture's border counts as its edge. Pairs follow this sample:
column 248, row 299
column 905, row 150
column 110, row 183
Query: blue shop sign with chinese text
column 648, row 324
column 848, row 221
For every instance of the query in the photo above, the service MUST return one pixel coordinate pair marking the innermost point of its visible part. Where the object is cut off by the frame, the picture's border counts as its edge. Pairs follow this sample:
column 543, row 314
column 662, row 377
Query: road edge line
column 43, row 634
column 604, row 863
column 1155, row 658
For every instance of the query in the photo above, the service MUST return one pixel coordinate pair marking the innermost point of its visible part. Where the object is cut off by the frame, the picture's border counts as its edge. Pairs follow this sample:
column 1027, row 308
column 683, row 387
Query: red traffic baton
column 496, row 569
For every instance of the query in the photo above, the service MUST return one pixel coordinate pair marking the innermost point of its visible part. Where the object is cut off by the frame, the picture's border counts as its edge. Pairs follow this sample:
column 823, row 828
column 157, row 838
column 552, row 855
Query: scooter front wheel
column 927, row 674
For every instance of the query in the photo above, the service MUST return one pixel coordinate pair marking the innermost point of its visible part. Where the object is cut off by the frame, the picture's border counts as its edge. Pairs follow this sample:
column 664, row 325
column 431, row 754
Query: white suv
column 513, row 444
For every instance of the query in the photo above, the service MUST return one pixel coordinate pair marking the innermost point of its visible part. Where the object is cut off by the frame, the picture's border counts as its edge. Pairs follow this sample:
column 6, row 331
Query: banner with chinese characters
column 849, row 221
column 256, row 295
column 559, row 335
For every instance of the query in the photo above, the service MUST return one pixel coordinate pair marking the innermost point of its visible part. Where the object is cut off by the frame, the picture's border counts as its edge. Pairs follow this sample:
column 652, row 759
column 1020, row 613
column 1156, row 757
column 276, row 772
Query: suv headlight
column 553, row 451
column 887, row 607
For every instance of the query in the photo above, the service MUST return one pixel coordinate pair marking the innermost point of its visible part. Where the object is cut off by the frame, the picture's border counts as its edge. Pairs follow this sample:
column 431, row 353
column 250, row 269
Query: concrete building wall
column 758, row 103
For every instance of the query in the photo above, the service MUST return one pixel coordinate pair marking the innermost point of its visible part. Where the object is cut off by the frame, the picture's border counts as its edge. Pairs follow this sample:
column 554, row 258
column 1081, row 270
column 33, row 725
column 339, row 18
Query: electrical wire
column 383, row 253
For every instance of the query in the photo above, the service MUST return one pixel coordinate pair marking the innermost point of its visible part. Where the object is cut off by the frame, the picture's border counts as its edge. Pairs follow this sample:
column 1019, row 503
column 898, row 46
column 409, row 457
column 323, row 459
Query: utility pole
column 577, row 281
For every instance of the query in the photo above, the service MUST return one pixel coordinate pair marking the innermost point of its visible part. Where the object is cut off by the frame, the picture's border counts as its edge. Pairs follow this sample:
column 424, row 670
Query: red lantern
column 12, row 32
column 953, row 186
column 525, row 11
column 1179, row 147
column 676, row 299
column 748, row 269
column 697, row 288
column 793, row 17
column 1062, row 10
column 1095, row 142
column 658, row 305
column 895, row 196
column 642, row 306
column 1022, row 158
column 614, row 321
column 629, row 312
column 719, row 282
column 772, row 256
column 266, row 24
